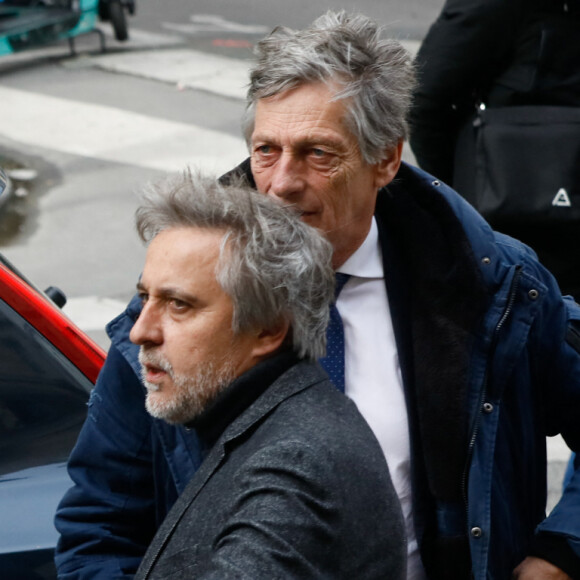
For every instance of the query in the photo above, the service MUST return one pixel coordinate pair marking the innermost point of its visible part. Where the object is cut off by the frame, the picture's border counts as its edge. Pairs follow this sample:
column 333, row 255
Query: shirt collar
column 367, row 261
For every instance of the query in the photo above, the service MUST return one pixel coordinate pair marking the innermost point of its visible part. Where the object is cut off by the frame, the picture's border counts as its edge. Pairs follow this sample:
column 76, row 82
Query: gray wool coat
column 296, row 486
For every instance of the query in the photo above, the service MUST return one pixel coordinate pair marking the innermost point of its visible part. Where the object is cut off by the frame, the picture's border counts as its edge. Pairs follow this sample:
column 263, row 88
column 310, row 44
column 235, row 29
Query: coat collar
column 239, row 396
column 295, row 379
column 446, row 301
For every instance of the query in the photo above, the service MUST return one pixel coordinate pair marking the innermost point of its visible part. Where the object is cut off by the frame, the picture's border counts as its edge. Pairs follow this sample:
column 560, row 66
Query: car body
column 47, row 369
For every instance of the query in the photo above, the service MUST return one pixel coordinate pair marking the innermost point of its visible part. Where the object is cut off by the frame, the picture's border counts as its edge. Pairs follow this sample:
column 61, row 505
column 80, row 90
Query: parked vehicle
column 47, row 368
column 28, row 24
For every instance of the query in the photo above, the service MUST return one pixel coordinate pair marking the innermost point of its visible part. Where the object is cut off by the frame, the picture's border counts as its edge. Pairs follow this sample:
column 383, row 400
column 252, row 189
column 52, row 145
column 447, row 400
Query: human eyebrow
column 172, row 293
column 324, row 143
column 169, row 293
column 141, row 290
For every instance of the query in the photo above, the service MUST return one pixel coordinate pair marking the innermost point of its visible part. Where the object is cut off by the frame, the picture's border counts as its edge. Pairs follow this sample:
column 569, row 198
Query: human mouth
column 304, row 214
column 309, row 217
column 154, row 368
column 152, row 374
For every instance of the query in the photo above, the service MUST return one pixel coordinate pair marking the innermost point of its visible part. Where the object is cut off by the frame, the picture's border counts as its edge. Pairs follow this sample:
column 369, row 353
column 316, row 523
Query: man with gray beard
column 235, row 298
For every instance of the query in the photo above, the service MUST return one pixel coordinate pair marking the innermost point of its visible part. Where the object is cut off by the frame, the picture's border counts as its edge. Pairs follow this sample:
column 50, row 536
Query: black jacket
column 501, row 52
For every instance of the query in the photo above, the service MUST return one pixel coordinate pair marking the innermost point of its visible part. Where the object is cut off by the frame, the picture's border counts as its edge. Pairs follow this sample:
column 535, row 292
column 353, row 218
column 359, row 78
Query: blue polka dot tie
column 333, row 362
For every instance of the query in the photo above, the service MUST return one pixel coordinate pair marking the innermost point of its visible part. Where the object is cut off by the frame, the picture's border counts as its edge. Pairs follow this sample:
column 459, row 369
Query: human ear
column 386, row 168
column 268, row 341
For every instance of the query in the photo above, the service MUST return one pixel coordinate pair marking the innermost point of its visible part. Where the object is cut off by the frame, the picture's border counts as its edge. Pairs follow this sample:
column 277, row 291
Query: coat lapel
column 445, row 304
column 296, row 379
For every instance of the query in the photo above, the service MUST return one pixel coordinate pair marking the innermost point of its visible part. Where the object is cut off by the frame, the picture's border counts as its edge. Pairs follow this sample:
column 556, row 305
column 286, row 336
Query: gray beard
column 192, row 393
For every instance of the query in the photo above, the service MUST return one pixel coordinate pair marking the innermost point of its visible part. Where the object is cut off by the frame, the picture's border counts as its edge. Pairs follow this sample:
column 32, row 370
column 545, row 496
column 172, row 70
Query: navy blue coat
column 490, row 358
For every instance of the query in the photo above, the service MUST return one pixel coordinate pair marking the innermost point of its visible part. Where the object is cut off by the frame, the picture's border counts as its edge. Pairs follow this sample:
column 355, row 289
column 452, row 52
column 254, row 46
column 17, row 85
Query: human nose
column 147, row 327
column 288, row 177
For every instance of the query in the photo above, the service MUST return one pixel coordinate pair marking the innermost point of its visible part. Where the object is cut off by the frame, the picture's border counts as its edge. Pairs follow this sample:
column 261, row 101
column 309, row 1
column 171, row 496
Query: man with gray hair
column 459, row 349
column 235, row 298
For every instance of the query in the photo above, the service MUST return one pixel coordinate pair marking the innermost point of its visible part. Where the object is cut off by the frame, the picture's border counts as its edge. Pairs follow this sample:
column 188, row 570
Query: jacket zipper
column 506, row 313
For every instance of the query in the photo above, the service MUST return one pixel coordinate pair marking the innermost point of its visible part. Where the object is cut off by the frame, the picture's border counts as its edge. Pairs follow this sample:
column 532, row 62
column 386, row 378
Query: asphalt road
column 406, row 18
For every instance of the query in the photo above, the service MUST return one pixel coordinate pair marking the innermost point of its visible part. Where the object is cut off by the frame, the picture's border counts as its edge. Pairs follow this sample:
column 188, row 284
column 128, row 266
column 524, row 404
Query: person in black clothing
column 501, row 53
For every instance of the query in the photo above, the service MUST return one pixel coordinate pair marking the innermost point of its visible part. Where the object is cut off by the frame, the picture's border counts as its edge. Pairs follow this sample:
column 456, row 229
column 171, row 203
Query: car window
column 42, row 397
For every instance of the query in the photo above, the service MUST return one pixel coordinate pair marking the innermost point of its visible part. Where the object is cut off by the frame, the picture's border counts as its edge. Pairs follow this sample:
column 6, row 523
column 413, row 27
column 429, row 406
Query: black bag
column 521, row 164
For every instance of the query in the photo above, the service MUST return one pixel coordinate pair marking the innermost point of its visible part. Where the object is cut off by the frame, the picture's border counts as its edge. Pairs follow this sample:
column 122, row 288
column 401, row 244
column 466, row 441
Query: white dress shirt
column 373, row 377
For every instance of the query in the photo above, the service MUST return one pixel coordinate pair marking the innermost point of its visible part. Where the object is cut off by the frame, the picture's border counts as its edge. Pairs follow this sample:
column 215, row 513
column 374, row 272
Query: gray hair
column 273, row 266
column 375, row 75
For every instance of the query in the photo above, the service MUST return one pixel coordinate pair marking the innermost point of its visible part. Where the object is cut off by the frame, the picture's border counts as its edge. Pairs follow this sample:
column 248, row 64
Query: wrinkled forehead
column 305, row 109
column 326, row 92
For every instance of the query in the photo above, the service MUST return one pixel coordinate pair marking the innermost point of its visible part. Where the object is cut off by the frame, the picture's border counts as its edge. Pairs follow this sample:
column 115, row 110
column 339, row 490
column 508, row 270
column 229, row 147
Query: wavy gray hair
column 375, row 75
column 272, row 265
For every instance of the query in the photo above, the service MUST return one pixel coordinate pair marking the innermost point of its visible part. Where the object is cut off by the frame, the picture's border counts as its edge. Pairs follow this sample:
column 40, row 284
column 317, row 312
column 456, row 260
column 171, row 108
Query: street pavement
column 51, row 121
column 112, row 141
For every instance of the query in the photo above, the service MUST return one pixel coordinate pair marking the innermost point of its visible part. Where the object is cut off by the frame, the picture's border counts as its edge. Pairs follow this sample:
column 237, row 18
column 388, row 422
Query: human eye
column 264, row 153
column 320, row 157
column 177, row 305
column 143, row 297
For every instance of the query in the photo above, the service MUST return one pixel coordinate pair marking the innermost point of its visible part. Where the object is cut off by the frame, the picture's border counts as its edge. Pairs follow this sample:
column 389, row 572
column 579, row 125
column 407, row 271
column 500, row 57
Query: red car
column 47, row 368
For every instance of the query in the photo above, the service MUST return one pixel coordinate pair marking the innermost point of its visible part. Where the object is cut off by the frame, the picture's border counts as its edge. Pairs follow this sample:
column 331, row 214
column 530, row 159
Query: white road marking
column 191, row 69
column 139, row 38
column 114, row 135
column 183, row 67
column 214, row 23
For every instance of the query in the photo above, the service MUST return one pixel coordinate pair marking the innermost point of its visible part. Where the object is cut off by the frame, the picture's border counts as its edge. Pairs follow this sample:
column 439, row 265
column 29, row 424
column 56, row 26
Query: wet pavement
column 31, row 178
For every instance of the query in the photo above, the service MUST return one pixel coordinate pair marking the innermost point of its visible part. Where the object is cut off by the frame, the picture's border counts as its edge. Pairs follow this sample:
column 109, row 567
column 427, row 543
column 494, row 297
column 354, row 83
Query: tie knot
column 341, row 280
